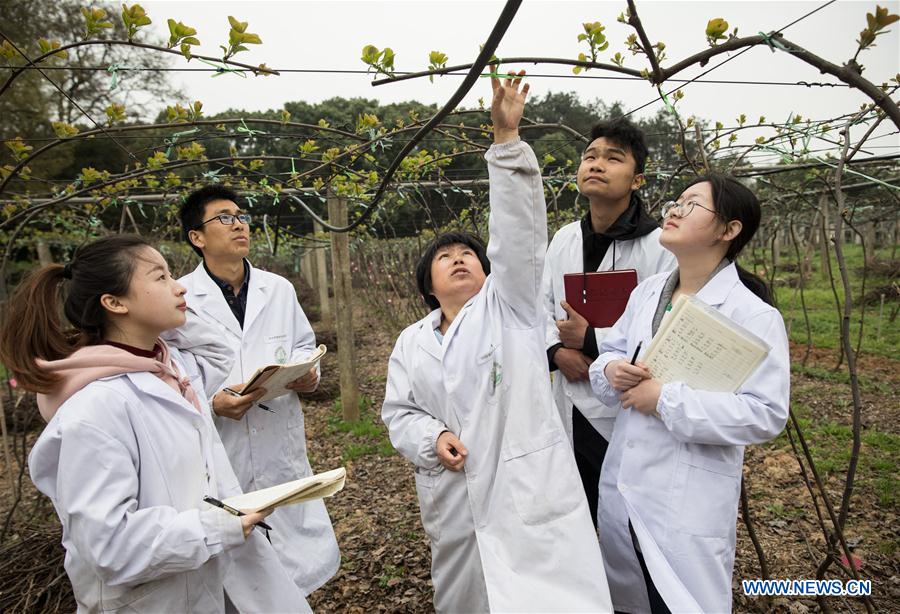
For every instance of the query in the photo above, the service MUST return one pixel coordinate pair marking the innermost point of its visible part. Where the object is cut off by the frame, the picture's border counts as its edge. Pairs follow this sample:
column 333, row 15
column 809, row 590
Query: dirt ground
column 385, row 555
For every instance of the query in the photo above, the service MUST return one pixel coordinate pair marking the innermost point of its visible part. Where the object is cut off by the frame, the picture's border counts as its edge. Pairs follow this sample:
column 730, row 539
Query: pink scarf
column 94, row 362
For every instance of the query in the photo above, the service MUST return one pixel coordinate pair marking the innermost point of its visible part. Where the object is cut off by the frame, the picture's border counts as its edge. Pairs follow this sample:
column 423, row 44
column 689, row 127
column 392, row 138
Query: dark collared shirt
column 237, row 302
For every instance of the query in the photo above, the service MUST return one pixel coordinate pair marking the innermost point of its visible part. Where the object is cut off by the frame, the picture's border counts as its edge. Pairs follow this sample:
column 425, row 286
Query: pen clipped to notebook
column 233, row 511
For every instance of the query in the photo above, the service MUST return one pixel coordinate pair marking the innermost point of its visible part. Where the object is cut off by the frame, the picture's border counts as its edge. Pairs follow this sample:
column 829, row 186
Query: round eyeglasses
column 682, row 209
column 228, row 219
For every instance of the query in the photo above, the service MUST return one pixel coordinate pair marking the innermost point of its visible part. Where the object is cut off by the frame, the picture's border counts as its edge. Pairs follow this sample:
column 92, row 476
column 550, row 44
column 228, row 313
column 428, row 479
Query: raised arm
column 518, row 218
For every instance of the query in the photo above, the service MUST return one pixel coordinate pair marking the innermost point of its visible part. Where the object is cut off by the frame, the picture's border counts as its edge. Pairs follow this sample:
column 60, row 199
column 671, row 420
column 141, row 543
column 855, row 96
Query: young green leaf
column 18, row 148
column 7, row 50
column 134, row 17
column 64, row 130
column 715, row 29
column 94, row 21
column 238, row 37
column 180, row 33
column 115, row 113
column 48, row 46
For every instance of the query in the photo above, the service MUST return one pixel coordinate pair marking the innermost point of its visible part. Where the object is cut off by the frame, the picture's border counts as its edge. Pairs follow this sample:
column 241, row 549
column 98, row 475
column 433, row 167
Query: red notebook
column 600, row 297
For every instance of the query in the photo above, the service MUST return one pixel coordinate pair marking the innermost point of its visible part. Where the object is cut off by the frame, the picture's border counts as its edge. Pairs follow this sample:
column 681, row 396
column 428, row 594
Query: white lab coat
column 127, row 461
column 678, row 477
column 566, row 255
column 512, row 531
column 267, row 448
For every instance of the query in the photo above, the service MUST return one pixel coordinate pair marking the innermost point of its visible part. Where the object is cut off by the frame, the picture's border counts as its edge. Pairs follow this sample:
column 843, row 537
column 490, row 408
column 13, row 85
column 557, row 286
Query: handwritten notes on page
column 701, row 347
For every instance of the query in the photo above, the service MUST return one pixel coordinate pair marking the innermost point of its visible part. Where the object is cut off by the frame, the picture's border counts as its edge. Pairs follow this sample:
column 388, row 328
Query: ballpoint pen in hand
column 235, row 393
column 233, row 511
column 637, row 350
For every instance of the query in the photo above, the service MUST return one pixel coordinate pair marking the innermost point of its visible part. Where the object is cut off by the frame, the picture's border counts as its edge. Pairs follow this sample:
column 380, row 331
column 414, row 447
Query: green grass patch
column 390, row 572
column 889, row 547
column 822, row 309
column 353, row 450
column 366, row 437
column 830, row 445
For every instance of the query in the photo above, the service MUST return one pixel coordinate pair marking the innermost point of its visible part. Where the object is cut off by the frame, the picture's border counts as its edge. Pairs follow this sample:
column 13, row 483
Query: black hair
column 33, row 329
column 423, row 268
column 735, row 201
column 624, row 134
column 194, row 208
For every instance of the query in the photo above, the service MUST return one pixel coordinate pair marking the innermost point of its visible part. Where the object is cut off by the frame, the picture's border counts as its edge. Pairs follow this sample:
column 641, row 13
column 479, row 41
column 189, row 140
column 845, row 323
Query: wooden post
column 322, row 280
column 343, row 304
column 43, row 252
column 307, row 267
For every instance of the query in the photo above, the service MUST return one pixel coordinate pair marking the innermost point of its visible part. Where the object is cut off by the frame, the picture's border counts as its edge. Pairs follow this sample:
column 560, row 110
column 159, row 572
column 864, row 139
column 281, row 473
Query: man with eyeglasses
column 259, row 315
column 615, row 232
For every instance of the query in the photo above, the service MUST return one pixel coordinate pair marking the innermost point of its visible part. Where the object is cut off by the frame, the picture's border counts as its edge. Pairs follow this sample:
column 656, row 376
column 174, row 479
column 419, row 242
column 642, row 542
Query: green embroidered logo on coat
column 280, row 355
column 496, row 376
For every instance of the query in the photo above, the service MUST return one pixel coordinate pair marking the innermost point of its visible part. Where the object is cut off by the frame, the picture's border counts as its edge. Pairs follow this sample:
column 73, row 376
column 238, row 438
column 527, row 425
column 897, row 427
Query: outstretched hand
column 507, row 105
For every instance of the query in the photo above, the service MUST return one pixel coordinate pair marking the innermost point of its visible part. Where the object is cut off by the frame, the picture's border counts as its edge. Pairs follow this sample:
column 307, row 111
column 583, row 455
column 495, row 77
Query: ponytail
column 755, row 284
column 32, row 327
column 734, row 201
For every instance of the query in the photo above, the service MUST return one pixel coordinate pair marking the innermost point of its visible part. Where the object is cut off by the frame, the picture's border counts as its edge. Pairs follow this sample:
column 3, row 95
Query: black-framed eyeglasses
column 228, row 219
column 684, row 209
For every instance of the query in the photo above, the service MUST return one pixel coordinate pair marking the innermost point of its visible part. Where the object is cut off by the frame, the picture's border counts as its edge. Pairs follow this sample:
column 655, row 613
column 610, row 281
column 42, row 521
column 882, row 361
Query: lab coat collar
column 427, row 341
column 256, row 298
column 717, row 289
column 148, row 383
column 211, row 301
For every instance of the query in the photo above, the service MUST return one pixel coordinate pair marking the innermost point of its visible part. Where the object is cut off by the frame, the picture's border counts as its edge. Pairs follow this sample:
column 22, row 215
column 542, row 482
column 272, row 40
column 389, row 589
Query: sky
column 330, row 35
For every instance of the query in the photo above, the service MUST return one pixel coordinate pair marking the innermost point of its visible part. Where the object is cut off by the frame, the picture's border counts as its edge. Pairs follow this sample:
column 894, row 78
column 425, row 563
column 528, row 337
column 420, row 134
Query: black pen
column 636, row 351
column 235, row 393
column 232, row 511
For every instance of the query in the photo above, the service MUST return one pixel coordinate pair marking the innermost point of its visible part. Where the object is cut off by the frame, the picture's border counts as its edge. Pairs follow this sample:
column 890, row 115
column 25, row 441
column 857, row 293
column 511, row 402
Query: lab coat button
column 630, row 444
column 622, row 487
column 253, row 431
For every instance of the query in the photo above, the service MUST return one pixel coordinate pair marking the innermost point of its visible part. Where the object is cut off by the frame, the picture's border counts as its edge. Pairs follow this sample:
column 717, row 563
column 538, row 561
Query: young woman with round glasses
column 671, row 480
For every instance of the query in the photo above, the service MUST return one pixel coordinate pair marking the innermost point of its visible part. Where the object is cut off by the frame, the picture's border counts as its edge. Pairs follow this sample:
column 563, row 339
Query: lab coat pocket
column 536, row 472
column 277, row 350
column 709, row 491
column 149, row 596
column 426, row 482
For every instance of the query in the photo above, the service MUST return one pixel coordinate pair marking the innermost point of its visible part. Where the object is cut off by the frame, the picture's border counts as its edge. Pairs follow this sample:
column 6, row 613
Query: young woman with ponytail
column 130, row 449
column 672, row 476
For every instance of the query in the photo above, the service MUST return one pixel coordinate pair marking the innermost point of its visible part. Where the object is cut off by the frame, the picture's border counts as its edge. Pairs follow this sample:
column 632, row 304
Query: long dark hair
column 734, row 201
column 33, row 329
